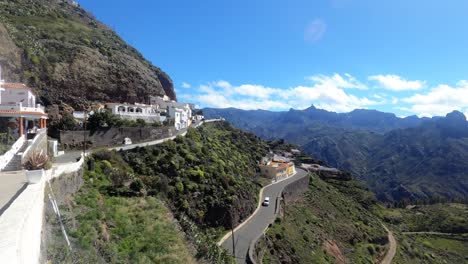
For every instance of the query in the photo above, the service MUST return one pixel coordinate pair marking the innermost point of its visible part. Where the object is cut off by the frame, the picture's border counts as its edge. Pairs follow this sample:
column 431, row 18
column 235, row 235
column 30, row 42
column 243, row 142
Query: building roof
column 20, row 113
column 14, row 86
column 132, row 105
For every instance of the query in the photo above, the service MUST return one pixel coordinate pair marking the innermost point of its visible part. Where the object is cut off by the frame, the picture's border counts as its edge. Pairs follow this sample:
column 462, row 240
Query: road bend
column 262, row 217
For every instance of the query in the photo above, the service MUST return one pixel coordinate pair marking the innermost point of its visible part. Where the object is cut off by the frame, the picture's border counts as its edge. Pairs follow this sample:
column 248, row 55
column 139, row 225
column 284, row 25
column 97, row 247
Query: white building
column 181, row 113
column 149, row 113
column 198, row 117
column 18, row 103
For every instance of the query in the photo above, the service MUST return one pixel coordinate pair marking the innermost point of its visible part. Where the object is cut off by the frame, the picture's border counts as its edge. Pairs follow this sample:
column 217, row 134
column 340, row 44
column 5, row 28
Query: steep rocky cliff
column 67, row 55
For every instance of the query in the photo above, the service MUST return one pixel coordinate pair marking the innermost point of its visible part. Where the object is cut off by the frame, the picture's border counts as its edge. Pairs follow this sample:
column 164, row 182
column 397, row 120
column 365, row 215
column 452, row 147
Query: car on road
column 266, row 202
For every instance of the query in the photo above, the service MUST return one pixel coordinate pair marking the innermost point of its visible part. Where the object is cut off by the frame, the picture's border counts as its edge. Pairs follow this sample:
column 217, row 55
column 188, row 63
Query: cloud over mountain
column 340, row 93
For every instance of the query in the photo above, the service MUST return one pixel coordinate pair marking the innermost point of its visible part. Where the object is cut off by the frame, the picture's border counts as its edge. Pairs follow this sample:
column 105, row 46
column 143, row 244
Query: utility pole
column 232, row 233
column 84, row 133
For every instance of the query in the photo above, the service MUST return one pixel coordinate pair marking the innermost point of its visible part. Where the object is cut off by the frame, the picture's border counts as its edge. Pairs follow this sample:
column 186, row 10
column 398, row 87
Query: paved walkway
column 69, row 156
column 12, row 184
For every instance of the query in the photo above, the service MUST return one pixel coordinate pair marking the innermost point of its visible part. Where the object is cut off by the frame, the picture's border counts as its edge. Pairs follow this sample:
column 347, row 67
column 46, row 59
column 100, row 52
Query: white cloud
column 250, row 90
column 439, row 100
column 336, row 80
column 335, row 92
column 315, row 31
column 185, row 85
column 396, row 83
column 327, row 92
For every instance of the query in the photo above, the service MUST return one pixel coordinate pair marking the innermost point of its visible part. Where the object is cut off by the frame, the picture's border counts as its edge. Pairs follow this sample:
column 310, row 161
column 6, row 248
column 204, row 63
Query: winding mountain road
column 256, row 224
column 392, row 249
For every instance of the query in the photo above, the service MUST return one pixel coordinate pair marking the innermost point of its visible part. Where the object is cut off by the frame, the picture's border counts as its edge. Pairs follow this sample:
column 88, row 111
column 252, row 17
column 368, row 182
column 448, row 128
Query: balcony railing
column 19, row 107
column 138, row 114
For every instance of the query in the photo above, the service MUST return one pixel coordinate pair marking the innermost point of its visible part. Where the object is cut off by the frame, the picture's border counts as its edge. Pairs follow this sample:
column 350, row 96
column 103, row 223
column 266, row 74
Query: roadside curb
column 260, row 195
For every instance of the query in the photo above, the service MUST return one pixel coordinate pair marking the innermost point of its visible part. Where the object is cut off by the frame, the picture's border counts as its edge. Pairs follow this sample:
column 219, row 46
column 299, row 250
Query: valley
column 399, row 159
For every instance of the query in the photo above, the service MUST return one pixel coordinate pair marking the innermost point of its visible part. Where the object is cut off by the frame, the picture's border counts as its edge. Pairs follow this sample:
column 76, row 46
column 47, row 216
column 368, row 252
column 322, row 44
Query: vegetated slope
column 331, row 223
column 428, row 161
column 425, row 159
column 437, row 232
column 208, row 180
column 424, row 162
column 64, row 52
column 208, row 175
column 107, row 228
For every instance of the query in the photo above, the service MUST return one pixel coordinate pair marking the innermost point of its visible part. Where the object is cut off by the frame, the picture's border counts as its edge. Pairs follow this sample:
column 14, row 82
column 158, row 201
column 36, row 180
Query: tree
column 140, row 123
column 101, row 119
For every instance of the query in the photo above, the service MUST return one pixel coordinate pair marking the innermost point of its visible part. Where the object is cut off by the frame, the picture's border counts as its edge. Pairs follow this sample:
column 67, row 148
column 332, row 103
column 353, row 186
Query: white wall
column 14, row 96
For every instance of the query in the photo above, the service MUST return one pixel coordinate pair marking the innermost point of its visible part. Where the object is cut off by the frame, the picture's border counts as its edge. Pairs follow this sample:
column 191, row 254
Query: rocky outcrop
column 62, row 51
column 10, row 55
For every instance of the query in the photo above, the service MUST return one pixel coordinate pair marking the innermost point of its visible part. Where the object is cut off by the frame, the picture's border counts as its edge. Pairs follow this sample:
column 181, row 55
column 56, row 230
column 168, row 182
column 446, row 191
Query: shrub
column 36, row 161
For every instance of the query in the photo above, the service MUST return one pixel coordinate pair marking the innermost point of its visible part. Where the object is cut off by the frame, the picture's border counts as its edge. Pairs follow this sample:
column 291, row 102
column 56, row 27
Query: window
column 121, row 109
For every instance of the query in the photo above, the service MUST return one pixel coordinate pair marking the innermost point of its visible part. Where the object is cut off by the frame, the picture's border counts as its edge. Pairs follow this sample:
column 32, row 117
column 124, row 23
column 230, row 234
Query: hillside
column 105, row 228
column 434, row 233
column 331, row 223
column 66, row 54
column 398, row 158
column 205, row 180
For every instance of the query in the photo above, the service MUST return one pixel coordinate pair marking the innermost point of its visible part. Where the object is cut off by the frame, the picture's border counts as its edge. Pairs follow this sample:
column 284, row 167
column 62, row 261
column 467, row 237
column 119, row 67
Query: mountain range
column 399, row 158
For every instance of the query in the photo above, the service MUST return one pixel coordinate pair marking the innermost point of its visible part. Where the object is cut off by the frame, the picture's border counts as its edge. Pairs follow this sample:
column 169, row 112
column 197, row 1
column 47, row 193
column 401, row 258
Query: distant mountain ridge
column 399, row 158
column 371, row 120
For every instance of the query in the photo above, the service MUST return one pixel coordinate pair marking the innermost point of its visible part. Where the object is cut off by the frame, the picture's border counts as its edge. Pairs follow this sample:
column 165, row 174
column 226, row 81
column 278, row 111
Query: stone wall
column 64, row 187
column 113, row 136
column 295, row 189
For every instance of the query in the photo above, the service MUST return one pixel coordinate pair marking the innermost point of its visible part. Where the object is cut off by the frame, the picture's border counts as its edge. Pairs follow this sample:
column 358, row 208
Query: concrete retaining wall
column 290, row 193
column 113, row 136
column 21, row 224
column 295, row 190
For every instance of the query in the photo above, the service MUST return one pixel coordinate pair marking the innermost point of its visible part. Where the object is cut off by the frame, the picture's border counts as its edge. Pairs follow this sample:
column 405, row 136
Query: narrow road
column 255, row 225
column 432, row 233
column 392, row 250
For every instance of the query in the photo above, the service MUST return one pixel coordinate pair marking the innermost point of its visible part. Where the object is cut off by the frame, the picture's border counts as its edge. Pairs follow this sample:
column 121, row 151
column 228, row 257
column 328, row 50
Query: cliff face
column 67, row 55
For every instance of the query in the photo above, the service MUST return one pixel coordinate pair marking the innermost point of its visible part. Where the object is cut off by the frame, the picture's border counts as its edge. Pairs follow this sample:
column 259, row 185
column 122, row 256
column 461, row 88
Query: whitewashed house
column 149, row 113
column 18, row 104
column 181, row 113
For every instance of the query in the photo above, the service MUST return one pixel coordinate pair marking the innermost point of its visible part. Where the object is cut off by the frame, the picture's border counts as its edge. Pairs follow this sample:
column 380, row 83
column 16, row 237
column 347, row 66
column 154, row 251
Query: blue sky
column 406, row 57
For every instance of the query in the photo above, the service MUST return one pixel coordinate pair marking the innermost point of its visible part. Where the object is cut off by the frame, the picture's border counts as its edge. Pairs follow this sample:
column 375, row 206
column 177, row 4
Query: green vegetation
column 71, row 57
column 207, row 179
column 413, row 159
column 329, row 223
column 426, row 248
column 443, row 218
column 208, row 175
column 6, row 139
column 434, row 233
column 105, row 228
column 105, row 119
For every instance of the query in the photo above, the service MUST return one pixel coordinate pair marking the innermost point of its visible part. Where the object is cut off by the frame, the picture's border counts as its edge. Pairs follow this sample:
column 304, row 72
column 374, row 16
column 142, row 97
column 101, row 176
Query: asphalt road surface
column 260, row 221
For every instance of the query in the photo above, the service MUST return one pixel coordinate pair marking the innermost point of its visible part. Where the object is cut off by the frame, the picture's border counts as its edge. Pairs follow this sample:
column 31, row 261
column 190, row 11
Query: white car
column 266, row 202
